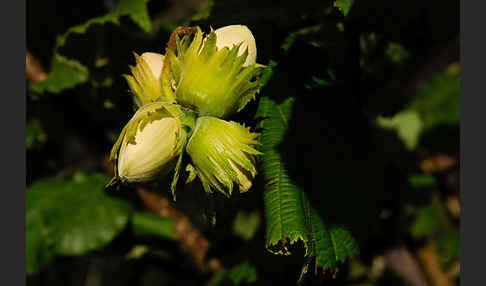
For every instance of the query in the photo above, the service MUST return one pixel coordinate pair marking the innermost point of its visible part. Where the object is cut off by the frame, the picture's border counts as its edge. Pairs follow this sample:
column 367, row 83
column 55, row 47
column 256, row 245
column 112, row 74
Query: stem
column 33, row 69
column 192, row 241
column 430, row 260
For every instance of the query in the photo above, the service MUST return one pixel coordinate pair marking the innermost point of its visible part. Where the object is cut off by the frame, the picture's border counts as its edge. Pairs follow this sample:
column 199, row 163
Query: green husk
column 147, row 114
column 145, row 87
column 223, row 155
column 213, row 82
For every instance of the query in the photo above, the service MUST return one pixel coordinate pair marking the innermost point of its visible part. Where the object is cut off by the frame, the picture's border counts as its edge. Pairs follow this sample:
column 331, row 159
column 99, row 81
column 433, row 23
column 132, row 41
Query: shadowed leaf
column 70, row 217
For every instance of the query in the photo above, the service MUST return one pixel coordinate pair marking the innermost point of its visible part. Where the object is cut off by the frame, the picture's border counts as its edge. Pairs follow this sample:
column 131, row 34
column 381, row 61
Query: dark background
column 351, row 170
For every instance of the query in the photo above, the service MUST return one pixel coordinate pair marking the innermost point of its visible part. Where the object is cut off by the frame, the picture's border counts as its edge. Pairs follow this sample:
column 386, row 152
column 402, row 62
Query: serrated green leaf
column 243, row 274
column 288, row 213
column 135, row 9
column 66, row 73
column 70, row 217
column 344, row 5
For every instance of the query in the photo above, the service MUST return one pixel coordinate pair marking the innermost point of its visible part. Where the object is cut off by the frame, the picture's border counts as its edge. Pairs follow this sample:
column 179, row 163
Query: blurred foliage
column 170, row 24
column 407, row 124
column 449, row 246
column 427, row 221
column 358, row 94
column 67, row 73
column 64, row 74
column 437, row 103
column 34, row 134
column 70, row 217
column 344, row 5
column 421, row 180
column 243, row 274
column 396, row 53
column 246, row 224
column 148, row 224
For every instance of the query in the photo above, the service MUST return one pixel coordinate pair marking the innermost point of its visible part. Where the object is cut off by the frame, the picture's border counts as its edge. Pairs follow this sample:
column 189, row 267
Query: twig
column 438, row 163
column 33, row 69
column 454, row 270
column 404, row 264
column 430, row 260
column 453, row 206
column 191, row 239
